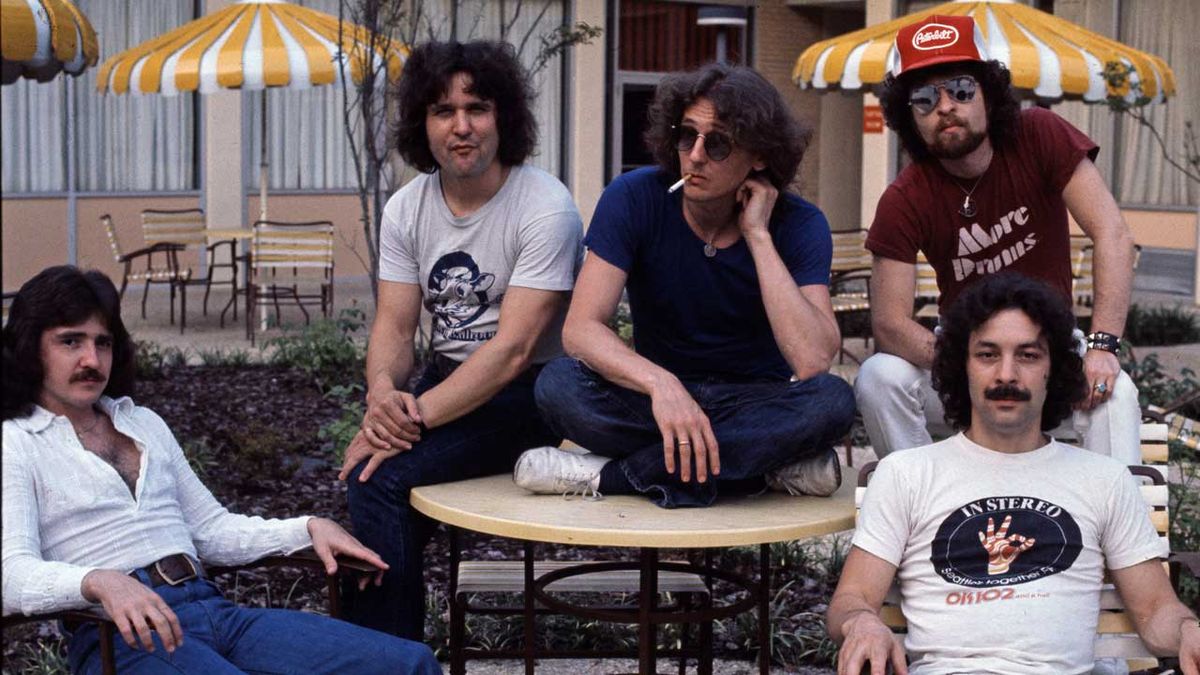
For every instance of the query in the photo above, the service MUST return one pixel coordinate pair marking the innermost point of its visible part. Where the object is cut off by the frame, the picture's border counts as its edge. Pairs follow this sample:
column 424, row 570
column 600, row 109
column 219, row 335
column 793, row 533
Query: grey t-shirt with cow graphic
column 528, row 235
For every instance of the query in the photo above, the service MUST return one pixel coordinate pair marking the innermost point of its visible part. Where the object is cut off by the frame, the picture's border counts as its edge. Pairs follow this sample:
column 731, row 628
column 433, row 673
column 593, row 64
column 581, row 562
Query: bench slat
column 508, row 576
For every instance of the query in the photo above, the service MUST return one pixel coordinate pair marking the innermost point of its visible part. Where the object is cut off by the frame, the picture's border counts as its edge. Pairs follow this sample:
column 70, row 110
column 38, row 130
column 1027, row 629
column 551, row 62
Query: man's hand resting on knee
column 869, row 641
column 392, row 421
column 686, row 430
column 134, row 608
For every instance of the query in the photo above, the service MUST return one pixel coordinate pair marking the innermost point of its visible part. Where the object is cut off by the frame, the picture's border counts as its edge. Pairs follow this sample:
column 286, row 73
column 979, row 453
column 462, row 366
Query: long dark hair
column 1003, row 108
column 60, row 296
column 755, row 113
column 496, row 75
column 1044, row 306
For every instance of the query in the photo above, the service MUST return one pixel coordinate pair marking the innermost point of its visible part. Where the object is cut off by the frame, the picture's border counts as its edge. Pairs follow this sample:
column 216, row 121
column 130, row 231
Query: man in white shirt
column 1000, row 536
column 101, row 508
column 490, row 246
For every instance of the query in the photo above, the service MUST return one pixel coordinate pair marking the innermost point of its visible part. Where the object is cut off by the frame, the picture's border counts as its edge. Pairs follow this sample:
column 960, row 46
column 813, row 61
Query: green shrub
column 258, row 454
column 1160, row 326
column 225, row 358
column 152, row 359
column 46, row 656
column 342, row 430
column 324, row 349
column 200, row 456
column 1156, row 387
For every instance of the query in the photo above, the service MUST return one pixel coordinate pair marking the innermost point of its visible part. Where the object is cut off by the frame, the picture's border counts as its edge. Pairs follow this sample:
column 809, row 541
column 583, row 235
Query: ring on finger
column 683, row 443
column 1101, row 388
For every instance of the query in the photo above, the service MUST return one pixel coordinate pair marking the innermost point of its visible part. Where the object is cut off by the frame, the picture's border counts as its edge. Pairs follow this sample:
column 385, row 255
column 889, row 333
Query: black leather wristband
column 1104, row 342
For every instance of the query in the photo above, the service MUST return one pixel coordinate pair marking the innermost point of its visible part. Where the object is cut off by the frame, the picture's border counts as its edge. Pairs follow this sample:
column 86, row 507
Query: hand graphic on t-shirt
column 1003, row 548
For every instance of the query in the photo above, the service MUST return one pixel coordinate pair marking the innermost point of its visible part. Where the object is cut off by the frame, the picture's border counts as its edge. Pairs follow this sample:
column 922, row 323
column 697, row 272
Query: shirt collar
column 40, row 419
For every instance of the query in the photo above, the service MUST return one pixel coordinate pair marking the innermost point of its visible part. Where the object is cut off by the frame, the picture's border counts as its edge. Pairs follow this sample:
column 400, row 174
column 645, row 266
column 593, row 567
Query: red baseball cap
column 938, row 39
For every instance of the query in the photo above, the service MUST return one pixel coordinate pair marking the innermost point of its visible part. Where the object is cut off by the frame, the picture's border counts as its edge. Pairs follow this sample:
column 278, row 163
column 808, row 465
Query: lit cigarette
column 678, row 184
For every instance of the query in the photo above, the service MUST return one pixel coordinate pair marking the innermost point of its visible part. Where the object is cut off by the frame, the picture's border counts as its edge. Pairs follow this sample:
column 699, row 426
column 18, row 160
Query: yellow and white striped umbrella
column 42, row 38
column 252, row 44
column 1048, row 56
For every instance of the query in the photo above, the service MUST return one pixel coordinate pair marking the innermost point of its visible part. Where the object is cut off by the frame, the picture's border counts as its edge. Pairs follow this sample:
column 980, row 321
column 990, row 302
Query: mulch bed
column 255, row 429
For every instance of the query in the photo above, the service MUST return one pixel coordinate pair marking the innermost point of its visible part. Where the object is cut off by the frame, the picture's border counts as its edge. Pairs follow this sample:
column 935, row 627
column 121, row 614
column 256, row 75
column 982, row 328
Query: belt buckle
column 158, row 567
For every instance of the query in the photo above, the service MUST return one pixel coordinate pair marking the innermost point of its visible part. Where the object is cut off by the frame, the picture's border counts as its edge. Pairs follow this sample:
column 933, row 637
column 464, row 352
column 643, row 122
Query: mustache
column 951, row 121
column 1007, row 392
column 88, row 375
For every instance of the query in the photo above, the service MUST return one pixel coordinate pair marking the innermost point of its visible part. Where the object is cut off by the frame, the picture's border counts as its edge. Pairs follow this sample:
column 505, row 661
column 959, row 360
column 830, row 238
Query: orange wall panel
column 34, row 235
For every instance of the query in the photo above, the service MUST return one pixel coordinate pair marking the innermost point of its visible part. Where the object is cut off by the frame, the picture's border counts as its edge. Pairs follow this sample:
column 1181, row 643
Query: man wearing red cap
column 989, row 189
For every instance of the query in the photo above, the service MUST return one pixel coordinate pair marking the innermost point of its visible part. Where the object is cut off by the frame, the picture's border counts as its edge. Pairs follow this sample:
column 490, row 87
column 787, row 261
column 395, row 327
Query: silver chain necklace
column 968, row 210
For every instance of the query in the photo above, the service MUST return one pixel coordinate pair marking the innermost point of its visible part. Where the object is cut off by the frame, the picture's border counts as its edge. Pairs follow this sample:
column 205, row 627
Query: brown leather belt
column 172, row 570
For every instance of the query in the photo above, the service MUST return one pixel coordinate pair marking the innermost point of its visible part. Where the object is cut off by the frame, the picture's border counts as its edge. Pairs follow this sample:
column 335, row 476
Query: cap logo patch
column 934, row 36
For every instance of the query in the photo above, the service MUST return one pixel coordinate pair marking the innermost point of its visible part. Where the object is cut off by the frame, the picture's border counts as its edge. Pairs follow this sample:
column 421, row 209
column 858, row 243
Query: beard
column 956, row 148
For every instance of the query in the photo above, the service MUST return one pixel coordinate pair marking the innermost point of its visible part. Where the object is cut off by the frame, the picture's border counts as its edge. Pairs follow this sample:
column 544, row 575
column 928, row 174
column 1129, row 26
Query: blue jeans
column 759, row 426
column 484, row 442
column 220, row 637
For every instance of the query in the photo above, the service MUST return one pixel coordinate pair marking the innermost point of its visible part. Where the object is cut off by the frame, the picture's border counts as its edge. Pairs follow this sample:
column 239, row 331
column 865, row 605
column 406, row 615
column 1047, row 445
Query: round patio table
column 494, row 505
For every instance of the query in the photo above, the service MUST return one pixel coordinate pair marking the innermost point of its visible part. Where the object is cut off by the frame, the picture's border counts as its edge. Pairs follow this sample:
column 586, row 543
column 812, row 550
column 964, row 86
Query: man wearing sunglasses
column 989, row 189
column 727, row 283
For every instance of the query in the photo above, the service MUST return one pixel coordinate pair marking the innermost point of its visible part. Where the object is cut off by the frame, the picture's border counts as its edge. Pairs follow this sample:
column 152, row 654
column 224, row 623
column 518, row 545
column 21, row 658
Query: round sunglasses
column 717, row 144
column 960, row 89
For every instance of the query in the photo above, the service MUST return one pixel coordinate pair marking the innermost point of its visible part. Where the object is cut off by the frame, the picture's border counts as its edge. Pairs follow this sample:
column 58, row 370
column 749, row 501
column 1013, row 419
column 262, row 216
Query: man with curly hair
column 102, row 510
column 989, row 189
column 490, row 246
column 733, row 330
column 1000, row 536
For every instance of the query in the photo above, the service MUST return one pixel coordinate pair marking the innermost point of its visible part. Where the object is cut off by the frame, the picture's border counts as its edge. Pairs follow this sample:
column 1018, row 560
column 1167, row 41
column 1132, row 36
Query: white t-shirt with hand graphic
column 1000, row 558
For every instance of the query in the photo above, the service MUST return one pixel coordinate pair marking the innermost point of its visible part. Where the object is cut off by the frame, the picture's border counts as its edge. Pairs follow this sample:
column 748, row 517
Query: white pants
column 900, row 409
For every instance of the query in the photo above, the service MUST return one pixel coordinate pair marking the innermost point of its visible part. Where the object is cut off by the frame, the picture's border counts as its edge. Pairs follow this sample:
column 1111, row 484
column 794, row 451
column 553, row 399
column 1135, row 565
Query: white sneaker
column 553, row 471
column 819, row 476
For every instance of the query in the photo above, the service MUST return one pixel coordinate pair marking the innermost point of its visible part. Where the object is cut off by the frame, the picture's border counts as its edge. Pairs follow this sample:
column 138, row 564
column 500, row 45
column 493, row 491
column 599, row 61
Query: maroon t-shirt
column 1020, row 222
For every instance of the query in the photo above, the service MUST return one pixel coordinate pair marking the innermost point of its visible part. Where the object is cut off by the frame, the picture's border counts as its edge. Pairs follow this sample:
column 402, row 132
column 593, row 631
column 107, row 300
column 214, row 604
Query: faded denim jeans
column 219, row 637
column 484, row 442
column 759, row 426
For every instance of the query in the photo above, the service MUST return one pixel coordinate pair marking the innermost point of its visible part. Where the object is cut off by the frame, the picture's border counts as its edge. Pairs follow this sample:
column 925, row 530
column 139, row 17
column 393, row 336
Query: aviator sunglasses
column 961, row 90
column 717, row 144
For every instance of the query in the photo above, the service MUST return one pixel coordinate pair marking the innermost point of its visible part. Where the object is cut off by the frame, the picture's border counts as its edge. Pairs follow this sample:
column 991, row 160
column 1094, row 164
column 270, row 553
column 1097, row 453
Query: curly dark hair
column 496, row 75
column 753, row 110
column 1003, row 107
column 1044, row 306
column 60, row 296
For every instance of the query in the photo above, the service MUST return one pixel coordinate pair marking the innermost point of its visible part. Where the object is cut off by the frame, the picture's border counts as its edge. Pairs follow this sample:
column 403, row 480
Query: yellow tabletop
column 494, row 505
column 229, row 233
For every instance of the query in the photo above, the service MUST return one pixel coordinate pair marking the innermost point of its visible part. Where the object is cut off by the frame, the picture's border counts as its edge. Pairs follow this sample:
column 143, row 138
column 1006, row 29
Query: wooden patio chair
column 849, row 284
column 1116, row 634
column 291, row 262
column 161, row 267
column 305, row 558
column 187, row 227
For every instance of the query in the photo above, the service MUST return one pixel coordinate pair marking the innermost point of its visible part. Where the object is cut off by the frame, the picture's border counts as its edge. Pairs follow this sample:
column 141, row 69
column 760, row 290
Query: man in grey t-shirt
column 490, row 247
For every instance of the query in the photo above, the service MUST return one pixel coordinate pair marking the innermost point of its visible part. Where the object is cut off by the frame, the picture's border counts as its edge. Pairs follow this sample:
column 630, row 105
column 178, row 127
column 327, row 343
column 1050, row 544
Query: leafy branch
column 1126, row 97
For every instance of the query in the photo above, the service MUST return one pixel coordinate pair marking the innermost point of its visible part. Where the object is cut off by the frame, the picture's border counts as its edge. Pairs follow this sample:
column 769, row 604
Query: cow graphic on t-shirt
column 458, row 295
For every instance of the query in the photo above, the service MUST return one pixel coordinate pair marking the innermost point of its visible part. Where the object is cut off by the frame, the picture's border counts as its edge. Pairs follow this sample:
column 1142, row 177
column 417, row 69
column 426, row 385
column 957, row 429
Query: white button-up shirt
column 67, row 512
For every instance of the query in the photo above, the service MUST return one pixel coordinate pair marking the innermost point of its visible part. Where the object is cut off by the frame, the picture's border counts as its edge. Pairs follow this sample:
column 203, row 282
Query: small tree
column 392, row 25
column 1120, row 86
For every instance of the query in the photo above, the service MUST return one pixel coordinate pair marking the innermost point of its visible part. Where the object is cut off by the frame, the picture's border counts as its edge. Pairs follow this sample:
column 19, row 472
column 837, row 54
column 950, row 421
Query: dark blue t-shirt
column 701, row 317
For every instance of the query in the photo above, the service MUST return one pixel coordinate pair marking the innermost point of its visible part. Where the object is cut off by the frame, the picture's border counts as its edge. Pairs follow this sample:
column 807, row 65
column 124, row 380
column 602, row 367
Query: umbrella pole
column 262, row 161
column 262, row 188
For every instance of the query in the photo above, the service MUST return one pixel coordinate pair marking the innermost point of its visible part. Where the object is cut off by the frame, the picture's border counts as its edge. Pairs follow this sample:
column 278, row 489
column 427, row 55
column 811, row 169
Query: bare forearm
column 389, row 360
column 842, row 608
column 1113, row 270
column 1163, row 631
column 807, row 337
column 907, row 339
column 603, row 351
column 488, row 370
